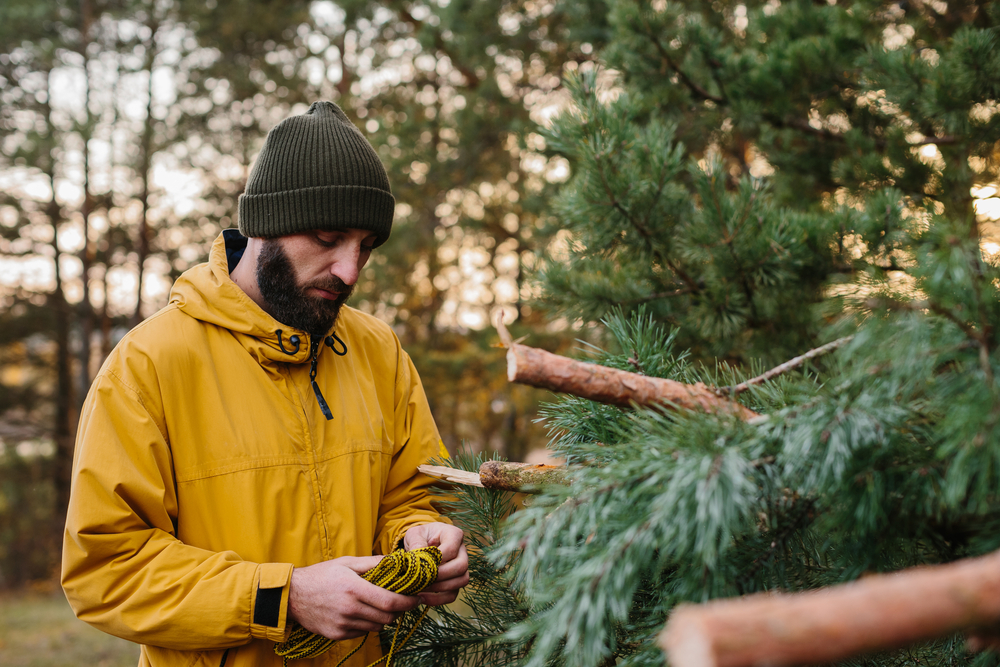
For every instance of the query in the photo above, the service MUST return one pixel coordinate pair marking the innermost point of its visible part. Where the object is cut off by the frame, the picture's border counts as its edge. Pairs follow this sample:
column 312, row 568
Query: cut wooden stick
column 538, row 368
column 452, row 475
column 519, row 476
column 501, row 475
column 817, row 627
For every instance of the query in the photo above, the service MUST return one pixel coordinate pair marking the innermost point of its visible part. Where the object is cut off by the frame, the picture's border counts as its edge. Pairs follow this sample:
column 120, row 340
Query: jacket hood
column 207, row 293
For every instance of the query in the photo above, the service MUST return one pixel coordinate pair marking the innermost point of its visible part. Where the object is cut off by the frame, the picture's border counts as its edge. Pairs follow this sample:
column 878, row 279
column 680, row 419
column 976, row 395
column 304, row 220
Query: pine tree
column 770, row 177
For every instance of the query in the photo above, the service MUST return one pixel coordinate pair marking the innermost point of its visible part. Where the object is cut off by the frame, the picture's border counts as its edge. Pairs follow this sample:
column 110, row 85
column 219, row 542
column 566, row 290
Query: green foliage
column 649, row 225
column 767, row 177
column 473, row 636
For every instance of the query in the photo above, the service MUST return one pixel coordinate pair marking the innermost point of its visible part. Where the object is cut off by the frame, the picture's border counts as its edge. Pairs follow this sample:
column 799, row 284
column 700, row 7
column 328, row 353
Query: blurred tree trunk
column 146, row 151
column 64, row 413
column 85, row 311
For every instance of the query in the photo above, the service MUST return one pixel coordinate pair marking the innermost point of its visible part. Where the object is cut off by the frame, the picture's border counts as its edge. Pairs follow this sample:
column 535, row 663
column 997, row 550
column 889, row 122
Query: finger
column 447, row 585
column 455, row 566
column 360, row 629
column 450, row 542
column 438, row 599
column 358, row 615
column 415, row 538
column 359, row 564
column 387, row 601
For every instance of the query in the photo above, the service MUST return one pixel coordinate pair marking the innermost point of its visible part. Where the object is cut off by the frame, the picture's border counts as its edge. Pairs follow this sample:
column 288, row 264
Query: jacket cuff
column 269, row 601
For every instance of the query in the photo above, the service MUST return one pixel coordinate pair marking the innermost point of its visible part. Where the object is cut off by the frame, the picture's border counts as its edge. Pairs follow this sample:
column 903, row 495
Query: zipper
column 225, row 656
column 314, row 350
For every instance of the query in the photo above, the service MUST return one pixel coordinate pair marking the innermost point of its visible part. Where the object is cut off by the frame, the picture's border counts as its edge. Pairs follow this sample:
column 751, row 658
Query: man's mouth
column 326, row 294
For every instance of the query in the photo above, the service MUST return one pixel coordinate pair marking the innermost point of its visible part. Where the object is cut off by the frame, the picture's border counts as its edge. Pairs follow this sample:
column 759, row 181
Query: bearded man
column 247, row 451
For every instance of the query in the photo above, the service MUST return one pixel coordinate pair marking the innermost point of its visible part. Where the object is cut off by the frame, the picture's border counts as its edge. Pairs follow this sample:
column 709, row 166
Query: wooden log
column 517, row 476
column 501, row 475
column 876, row 613
column 538, row 368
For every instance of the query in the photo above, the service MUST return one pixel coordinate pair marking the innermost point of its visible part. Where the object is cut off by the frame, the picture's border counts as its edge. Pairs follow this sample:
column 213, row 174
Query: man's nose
column 347, row 264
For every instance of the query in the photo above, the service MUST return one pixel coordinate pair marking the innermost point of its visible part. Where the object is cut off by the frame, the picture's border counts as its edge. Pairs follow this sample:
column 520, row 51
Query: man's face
column 306, row 278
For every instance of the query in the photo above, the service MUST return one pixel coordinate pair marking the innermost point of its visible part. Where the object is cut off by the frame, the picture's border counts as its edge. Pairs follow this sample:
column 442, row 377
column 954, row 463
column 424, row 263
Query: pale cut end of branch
column 511, row 364
column 685, row 642
column 505, row 338
column 452, row 475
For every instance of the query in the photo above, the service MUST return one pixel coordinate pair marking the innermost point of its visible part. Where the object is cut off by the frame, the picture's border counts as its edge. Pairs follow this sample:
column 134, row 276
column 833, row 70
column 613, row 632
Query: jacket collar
column 207, row 293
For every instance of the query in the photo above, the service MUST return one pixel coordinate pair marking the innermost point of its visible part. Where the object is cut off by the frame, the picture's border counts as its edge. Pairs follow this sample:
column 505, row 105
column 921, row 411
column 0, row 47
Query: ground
column 38, row 629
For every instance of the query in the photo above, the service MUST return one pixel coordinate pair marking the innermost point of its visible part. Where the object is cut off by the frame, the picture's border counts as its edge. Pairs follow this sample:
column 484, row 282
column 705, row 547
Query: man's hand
column 453, row 573
column 330, row 599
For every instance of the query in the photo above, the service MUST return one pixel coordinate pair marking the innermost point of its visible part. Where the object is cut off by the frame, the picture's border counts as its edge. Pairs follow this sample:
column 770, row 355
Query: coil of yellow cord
column 404, row 572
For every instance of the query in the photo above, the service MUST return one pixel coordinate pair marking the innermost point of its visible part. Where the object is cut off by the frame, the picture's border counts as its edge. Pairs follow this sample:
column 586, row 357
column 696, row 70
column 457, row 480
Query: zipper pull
column 312, row 378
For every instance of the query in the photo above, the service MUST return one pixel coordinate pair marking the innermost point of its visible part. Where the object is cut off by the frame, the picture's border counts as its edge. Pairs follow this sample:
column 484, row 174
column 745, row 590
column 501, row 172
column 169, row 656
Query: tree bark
column 538, row 368
column 501, row 475
column 505, row 476
column 876, row 613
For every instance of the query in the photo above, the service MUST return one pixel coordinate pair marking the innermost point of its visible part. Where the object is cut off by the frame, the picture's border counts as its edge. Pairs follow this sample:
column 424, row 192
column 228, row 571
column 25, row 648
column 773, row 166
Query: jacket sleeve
column 407, row 500
column 123, row 569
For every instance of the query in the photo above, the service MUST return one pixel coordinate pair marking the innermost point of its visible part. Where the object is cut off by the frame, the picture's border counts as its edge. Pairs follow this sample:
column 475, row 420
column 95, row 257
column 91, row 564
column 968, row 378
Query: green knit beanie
column 316, row 172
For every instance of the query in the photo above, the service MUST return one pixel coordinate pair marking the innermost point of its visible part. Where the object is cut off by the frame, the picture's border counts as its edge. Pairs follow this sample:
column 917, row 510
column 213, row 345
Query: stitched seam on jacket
column 260, row 463
column 137, row 396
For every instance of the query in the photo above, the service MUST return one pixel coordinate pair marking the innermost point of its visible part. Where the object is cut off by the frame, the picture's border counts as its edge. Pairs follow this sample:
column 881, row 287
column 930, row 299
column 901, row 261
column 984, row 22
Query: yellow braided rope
column 403, row 572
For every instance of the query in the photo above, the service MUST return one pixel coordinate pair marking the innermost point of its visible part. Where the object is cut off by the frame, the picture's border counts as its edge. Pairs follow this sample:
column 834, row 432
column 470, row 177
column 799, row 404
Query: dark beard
column 288, row 302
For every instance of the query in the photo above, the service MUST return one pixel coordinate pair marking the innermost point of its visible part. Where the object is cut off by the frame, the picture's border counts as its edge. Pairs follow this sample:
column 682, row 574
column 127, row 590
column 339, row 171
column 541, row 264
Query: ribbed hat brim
column 330, row 207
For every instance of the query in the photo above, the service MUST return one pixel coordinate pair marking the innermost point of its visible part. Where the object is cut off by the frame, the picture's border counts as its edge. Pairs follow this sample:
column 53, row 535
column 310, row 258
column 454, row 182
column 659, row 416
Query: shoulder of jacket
column 160, row 336
column 365, row 329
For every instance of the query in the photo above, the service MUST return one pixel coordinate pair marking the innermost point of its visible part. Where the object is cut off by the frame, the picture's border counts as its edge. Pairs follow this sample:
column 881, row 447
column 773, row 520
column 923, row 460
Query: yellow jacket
column 205, row 470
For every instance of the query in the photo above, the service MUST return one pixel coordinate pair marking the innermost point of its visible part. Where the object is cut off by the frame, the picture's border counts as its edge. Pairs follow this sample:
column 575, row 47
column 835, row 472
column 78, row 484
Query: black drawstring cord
column 331, row 342
column 312, row 377
column 294, row 340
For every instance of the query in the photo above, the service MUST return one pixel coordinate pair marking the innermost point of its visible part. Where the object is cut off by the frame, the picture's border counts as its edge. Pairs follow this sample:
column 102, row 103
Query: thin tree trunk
column 62, row 431
column 145, row 167
column 86, row 309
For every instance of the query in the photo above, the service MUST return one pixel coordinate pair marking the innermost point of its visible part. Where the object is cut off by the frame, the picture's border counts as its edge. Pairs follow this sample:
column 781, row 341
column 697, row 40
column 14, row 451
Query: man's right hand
column 331, row 600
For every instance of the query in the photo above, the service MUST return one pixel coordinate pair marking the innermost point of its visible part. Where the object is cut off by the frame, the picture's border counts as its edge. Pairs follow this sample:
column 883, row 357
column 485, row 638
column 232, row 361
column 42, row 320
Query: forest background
column 745, row 181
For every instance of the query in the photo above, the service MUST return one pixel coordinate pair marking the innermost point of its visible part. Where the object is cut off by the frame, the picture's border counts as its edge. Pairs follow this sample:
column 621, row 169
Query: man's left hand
column 453, row 573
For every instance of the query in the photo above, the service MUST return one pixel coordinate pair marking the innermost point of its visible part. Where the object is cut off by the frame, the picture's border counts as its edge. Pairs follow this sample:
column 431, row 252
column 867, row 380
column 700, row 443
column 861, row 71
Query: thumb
column 416, row 538
column 359, row 564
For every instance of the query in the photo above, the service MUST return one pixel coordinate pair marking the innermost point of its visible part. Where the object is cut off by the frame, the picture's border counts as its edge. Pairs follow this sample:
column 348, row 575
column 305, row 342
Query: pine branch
column 783, row 368
column 817, row 627
column 668, row 62
column 538, row 368
column 979, row 336
column 656, row 296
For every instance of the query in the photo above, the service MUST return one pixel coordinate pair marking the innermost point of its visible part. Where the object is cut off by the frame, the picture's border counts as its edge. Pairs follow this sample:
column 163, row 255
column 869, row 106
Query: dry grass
column 38, row 629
